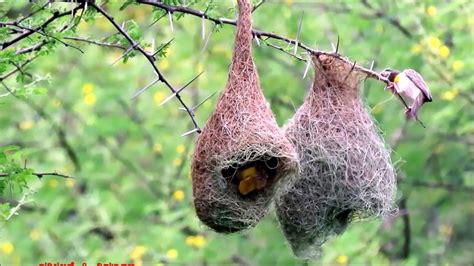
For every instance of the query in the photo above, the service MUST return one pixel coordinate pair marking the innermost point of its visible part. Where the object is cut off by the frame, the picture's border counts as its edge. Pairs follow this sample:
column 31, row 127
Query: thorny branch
column 41, row 174
column 260, row 34
column 151, row 60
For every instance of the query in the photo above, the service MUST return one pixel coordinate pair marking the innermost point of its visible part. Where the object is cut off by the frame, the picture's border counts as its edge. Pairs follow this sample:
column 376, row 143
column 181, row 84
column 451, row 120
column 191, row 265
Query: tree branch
column 41, row 174
column 151, row 60
column 260, row 34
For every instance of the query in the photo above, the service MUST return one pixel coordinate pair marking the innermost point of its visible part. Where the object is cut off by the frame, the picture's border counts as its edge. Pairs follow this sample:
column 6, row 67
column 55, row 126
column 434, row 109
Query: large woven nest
column 346, row 172
column 241, row 154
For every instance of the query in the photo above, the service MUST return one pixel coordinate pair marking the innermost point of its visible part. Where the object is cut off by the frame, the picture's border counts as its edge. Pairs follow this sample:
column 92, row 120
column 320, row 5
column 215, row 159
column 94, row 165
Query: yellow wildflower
column 70, row 183
column 157, row 148
column 52, row 183
column 446, row 230
column 415, row 48
column 457, row 65
column 163, row 64
column 25, row 125
column 379, row 28
column 90, row 99
column 137, row 252
column 180, row 149
column 7, row 247
column 87, row 88
column 449, row 94
column 172, row 254
column 434, row 42
column 158, row 97
column 438, row 149
column 341, row 260
column 178, row 195
column 56, row 102
column 177, row 162
column 377, row 109
column 34, row 234
column 431, row 11
column 288, row 2
column 195, row 241
column 200, row 67
column 443, row 51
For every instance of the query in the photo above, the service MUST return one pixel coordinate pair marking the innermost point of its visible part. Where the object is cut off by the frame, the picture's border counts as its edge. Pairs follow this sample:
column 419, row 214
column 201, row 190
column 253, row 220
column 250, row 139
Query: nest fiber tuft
column 345, row 168
column 241, row 155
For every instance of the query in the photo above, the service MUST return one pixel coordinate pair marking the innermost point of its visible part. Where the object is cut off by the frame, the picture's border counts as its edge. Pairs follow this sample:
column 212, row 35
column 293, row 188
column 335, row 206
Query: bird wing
column 418, row 80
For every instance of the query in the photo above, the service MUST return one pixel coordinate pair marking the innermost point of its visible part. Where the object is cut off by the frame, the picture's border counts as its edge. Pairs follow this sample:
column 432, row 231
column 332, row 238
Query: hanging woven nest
column 241, row 154
column 345, row 167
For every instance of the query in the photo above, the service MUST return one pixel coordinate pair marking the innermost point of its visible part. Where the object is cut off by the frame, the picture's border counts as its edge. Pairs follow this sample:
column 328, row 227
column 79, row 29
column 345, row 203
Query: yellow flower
column 56, row 102
column 180, row 149
column 157, row 148
column 341, row 260
column 178, row 195
column 195, row 241
column 438, row 149
column 379, row 28
column 434, row 42
column 52, row 183
column 377, row 109
column 449, row 94
column 415, row 48
column 431, row 11
column 172, row 254
column 177, row 162
column 288, row 2
column 89, row 99
column 446, row 230
column 87, row 88
column 158, row 97
column 70, row 183
column 163, row 64
column 457, row 65
column 7, row 248
column 34, row 234
column 443, row 51
column 25, row 125
column 200, row 67
column 137, row 252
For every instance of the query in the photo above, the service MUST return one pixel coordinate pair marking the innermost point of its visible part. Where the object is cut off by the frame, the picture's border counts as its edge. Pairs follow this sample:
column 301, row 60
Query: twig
column 41, row 174
column 55, row 16
column 405, row 252
column 79, row 39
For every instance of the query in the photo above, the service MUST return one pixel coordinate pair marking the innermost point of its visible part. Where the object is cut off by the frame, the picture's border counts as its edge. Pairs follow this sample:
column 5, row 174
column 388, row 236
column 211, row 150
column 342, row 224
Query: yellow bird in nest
column 251, row 178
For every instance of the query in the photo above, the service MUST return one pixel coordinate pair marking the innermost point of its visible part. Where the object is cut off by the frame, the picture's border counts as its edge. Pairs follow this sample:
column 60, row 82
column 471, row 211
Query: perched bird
column 251, row 178
column 411, row 88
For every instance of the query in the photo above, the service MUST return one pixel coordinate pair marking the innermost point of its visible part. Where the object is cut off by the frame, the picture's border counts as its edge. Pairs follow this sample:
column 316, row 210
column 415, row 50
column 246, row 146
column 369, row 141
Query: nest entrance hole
column 252, row 177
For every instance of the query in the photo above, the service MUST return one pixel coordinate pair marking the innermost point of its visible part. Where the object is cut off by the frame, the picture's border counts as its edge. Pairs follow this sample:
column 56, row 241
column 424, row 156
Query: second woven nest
column 346, row 172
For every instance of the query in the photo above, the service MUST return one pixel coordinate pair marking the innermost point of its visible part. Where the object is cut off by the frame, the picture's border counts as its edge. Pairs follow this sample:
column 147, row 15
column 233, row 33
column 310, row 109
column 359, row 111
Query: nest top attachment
column 241, row 156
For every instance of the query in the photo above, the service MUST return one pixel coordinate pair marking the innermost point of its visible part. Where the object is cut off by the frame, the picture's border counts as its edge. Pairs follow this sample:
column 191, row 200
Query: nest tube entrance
column 241, row 156
column 345, row 169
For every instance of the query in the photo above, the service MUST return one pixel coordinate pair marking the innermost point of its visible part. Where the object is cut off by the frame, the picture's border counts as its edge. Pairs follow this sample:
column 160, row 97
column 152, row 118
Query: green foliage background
column 131, row 200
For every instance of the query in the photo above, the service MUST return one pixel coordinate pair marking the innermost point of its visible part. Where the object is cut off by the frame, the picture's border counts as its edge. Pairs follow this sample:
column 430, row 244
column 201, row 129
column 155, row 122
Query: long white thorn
column 203, row 28
column 308, row 63
column 170, row 18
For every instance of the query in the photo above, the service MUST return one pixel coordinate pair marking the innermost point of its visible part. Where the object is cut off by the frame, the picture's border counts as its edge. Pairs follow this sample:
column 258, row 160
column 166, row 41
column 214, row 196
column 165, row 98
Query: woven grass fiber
column 241, row 154
column 345, row 168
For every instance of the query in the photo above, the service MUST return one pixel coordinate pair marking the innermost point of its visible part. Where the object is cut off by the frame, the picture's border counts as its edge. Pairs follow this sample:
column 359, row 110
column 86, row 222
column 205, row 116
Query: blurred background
column 130, row 199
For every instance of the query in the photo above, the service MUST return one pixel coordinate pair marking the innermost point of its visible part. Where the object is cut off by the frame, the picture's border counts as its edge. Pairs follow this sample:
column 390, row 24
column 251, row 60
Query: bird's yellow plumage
column 249, row 180
column 396, row 78
column 247, row 172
